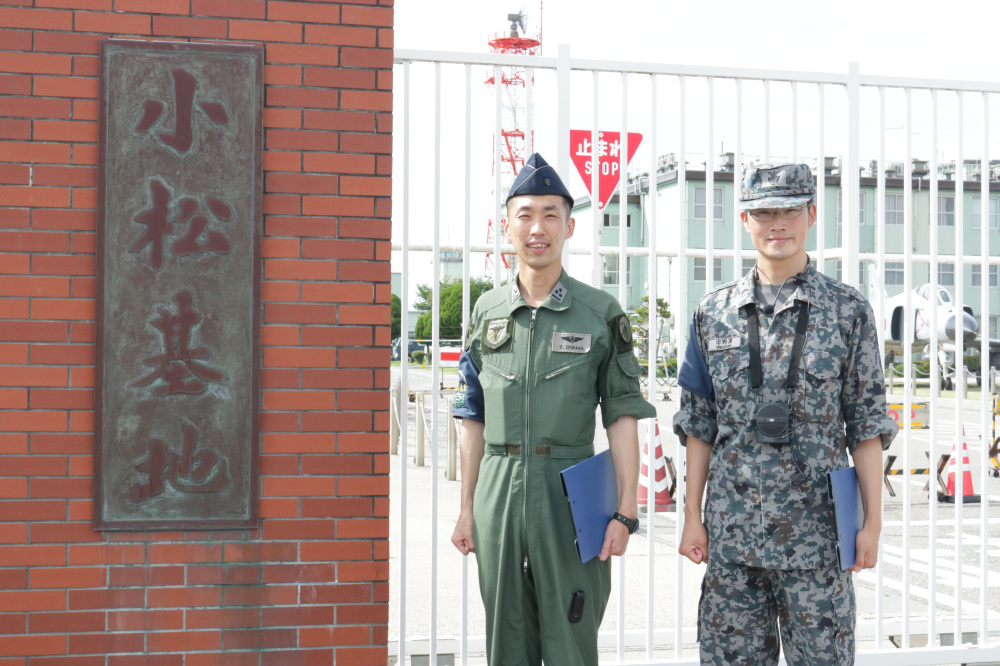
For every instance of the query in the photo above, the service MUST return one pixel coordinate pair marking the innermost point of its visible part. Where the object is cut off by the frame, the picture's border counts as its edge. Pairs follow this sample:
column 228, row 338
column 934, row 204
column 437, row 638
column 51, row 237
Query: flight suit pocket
column 730, row 370
column 503, row 394
column 821, row 389
column 563, row 403
column 624, row 374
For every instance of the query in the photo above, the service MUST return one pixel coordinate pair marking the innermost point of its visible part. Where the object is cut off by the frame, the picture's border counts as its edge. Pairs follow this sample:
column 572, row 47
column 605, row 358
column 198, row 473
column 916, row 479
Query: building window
column 893, row 273
column 840, row 207
column 699, row 270
column 994, row 323
column 611, row 264
column 699, row 204
column 994, row 212
column 611, row 221
column 977, row 275
column 946, row 275
column 451, row 256
column 946, row 212
column 894, row 209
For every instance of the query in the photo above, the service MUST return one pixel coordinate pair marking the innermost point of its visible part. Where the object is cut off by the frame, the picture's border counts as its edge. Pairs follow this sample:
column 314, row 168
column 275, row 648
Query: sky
column 885, row 37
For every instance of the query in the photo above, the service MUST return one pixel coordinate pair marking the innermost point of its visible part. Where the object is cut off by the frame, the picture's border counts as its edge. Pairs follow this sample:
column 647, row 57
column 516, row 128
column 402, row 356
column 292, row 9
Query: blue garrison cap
column 538, row 177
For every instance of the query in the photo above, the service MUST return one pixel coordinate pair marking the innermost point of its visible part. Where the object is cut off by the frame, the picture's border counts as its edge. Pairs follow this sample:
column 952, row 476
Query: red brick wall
column 311, row 585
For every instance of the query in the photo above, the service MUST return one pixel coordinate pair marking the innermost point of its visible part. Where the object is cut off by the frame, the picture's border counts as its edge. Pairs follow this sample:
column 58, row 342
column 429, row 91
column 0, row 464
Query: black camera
column 774, row 425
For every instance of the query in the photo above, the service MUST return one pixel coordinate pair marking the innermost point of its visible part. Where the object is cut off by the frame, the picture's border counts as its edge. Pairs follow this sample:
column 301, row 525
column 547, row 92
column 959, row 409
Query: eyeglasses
column 783, row 213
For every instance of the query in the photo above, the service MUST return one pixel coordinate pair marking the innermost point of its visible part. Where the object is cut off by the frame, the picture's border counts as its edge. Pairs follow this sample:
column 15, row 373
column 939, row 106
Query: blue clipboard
column 592, row 490
column 848, row 513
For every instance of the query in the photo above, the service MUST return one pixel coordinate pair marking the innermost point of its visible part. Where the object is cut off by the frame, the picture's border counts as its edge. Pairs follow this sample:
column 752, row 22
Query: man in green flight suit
column 539, row 357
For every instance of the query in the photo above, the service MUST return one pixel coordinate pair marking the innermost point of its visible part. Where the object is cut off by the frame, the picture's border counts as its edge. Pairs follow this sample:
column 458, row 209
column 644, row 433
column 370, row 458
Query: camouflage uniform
column 772, row 547
column 535, row 380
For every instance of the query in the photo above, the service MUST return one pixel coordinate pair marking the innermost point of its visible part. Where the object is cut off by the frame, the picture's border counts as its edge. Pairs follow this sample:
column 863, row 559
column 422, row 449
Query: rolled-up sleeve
column 469, row 403
column 862, row 395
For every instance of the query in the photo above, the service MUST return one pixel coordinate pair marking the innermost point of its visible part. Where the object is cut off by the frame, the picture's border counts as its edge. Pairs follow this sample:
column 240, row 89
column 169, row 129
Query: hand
column 694, row 541
column 615, row 540
column 866, row 548
column 462, row 536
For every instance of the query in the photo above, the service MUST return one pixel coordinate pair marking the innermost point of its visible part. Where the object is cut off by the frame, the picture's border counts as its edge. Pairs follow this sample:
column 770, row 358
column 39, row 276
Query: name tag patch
column 574, row 343
column 722, row 344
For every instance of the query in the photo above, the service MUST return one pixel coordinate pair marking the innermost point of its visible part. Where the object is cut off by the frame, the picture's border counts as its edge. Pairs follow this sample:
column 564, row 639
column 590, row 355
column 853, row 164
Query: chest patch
column 722, row 344
column 574, row 343
column 497, row 332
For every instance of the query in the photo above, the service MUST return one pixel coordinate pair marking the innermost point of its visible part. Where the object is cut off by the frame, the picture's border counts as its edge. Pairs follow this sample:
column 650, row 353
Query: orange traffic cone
column 661, row 497
column 968, row 496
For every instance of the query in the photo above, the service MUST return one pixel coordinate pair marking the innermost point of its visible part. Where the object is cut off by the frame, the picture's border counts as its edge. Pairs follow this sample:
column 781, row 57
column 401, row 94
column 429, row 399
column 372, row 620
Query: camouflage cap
column 538, row 177
column 776, row 186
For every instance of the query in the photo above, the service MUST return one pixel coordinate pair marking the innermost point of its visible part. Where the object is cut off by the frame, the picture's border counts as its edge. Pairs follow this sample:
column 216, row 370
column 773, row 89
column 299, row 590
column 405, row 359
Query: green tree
column 450, row 307
column 640, row 322
column 395, row 309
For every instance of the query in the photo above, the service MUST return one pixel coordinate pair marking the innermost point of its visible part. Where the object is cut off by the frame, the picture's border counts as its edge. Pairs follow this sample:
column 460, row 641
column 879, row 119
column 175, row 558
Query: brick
column 36, row 19
column 301, row 183
column 38, row 153
column 35, row 197
column 302, row 12
column 286, row 118
column 279, row 508
column 303, row 313
column 65, row 578
column 362, row 358
column 53, row 130
column 279, row 465
column 334, row 336
column 337, row 379
column 14, row 174
column 264, row 31
column 247, row 9
column 338, row 35
column 185, row 553
column 223, row 659
column 31, row 421
column 337, row 593
column 354, row 486
column 257, row 639
column 298, row 139
column 351, row 121
column 366, row 101
column 280, row 335
column 271, row 595
column 12, row 623
column 275, row 204
column 63, row 265
column 364, row 271
column 363, row 571
column 372, row 16
column 35, row 465
column 63, row 354
column 299, row 443
column 145, row 620
column 365, row 143
column 31, row 555
column 299, row 529
column 326, row 422
column 105, row 599
column 113, row 23
column 298, row 486
column 66, row 42
column 337, row 293
column 366, row 229
column 38, row 287
column 173, row 597
column 223, row 618
column 35, row 600
column 182, row 26
column 300, row 270
column 53, row 487
column 303, row 97
column 299, row 658
column 223, row 575
column 65, row 220
column 32, row 509
column 183, row 641
column 330, row 636
column 282, row 161
column 107, row 554
column 338, row 249
column 84, row 153
column 75, row 4
column 15, row 84
column 147, row 660
column 146, row 576
column 364, row 314
column 379, row 186
column 328, row 77
column 13, row 533
column 303, row 54
column 16, row 40
column 297, row 616
column 61, row 86
column 334, row 163
column 62, row 399
column 280, row 291
column 182, row 7
column 362, row 655
column 282, row 75
column 301, row 573
column 27, row 645
column 362, row 614
column 61, row 443
column 50, row 623
column 338, row 206
column 35, row 63
column 13, row 353
column 13, row 129
column 104, row 643
column 366, row 57
column 270, row 422
column 33, row 376
column 32, row 241
column 282, row 248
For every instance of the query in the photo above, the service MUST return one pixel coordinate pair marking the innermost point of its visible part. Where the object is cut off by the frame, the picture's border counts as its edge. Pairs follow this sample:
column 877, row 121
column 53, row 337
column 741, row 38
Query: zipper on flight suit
column 527, row 434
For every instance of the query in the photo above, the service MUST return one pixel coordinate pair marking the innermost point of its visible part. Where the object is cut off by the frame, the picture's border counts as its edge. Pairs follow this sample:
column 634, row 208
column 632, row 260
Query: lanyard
column 756, row 368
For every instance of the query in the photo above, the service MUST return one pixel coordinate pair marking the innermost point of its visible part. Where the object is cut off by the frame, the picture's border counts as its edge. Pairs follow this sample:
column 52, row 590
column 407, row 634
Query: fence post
column 452, row 449
column 421, row 430
column 394, row 418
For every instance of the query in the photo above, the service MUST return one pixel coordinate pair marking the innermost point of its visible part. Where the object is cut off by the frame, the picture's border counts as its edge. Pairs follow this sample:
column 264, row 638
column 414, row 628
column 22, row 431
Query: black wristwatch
column 631, row 523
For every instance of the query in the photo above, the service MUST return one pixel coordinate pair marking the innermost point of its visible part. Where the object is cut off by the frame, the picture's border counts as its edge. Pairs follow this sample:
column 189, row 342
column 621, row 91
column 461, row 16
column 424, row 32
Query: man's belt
column 544, row 450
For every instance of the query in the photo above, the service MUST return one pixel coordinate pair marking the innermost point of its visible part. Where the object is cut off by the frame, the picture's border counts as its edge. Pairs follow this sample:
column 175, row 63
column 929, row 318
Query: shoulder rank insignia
column 625, row 329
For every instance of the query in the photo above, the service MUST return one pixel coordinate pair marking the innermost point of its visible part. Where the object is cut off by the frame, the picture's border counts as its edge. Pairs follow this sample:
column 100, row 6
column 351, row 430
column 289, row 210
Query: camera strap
column 753, row 332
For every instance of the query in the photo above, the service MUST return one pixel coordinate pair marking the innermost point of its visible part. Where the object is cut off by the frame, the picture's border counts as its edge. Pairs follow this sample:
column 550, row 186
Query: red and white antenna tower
column 512, row 136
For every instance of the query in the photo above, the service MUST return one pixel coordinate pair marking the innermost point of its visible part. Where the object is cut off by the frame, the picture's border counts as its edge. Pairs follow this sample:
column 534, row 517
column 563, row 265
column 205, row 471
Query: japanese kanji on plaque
column 178, row 285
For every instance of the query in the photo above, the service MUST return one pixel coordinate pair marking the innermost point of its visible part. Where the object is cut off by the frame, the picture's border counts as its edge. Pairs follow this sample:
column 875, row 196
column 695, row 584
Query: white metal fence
column 933, row 599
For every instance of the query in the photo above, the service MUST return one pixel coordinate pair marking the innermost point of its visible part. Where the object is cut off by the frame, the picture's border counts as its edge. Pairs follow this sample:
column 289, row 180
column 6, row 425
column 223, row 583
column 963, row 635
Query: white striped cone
column 967, row 490
column 661, row 490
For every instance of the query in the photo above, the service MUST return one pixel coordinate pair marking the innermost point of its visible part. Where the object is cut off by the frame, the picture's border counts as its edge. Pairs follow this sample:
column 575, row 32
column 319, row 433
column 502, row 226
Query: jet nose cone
column 969, row 328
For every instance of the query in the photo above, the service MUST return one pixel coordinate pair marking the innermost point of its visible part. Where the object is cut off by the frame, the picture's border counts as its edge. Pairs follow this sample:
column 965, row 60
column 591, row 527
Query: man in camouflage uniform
column 540, row 355
column 768, row 532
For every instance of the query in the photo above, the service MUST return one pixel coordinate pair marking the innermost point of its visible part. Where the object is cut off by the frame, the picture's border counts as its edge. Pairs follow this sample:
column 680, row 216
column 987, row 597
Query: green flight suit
column 542, row 374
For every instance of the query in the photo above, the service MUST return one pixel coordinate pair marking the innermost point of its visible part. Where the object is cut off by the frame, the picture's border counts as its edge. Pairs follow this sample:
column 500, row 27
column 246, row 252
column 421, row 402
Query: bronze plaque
column 178, row 285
